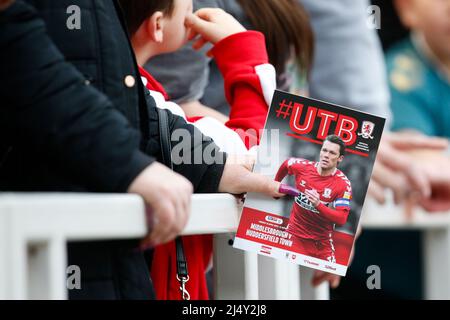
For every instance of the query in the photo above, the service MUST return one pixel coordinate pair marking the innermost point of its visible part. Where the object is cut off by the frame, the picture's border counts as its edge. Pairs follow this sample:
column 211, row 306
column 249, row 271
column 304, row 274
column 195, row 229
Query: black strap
column 164, row 138
column 166, row 151
column 182, row 270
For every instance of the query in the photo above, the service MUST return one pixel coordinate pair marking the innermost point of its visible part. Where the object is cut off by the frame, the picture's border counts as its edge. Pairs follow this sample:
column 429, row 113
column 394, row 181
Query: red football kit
column 312, row 227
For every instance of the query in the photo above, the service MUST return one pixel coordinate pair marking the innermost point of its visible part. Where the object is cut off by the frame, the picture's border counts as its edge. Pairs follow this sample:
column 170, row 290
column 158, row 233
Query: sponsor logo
column 266, row 250
column 274, row 220
column 367, row 130
column 303, row 202
column 311, row 262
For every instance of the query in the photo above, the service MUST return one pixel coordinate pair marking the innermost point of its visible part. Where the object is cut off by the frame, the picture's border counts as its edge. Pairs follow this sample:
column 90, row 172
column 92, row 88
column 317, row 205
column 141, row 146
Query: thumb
column 261, row 184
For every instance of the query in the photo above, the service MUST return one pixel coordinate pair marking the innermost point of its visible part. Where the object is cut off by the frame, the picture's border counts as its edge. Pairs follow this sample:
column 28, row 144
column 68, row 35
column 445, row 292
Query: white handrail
column 391, row 216
column 34, row 230
column 436, row 240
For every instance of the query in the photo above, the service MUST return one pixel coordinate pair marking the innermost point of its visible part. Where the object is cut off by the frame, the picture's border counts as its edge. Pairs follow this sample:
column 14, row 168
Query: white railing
column 436, row 241
column 34, row 230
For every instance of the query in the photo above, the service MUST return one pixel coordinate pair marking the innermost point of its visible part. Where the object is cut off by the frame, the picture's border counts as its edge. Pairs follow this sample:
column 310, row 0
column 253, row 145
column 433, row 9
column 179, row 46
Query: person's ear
column 155, row 26
column 340, row 159
column 407, row 13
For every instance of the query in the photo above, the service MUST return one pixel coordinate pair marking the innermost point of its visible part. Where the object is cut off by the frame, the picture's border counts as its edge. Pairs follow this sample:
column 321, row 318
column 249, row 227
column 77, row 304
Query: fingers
column 163, row 229
column 376, row 191
column 261, row 184
column 213, row 25
column 335, row 282
column 199, row 23
column 196, row 22
column 440, row 198
column 312, row 193
column 394, row 181
column 403, row 164
column 207, row 13
column 320, row 277
column 237, row 178
column 402, row 171
column 408, row 141
column 313, row 196
column 419, row 180
column 398, row 165
column 169, row 197
column 191, row 32
column 199, row 43
column 274, row 189
column 165, row 226
column 432, row 205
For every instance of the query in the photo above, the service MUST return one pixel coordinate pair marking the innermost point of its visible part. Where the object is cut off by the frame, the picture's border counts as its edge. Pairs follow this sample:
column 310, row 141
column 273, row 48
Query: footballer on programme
column 322, row 199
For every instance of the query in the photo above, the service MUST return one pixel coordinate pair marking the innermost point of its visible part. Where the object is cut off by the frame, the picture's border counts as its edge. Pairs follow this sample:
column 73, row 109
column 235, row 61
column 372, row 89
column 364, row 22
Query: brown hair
column 337, row 140
column 287, row 29
column 137, row 11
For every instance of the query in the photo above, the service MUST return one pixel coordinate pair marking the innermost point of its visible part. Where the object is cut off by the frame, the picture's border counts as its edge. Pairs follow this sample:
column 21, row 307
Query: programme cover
column 323, row 154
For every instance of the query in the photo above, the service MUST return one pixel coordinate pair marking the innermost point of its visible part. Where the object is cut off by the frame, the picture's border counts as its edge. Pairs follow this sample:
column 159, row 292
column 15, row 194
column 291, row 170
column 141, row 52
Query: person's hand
column 320, row 277
column 168, row 197
column 211, row 25
column 238, row 178
column 313, row 196
column 436, row 166
column 440, row 197
column 395, row 169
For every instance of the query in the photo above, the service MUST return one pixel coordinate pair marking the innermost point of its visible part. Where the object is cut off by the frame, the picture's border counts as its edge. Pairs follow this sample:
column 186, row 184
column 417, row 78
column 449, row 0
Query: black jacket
column 70, row 121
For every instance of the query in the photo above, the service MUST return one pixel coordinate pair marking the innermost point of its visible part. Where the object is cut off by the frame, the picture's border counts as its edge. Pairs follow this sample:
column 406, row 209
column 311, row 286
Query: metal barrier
column 34, row 230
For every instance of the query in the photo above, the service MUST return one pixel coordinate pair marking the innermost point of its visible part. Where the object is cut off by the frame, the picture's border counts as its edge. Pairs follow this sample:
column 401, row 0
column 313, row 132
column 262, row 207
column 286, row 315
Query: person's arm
column 283, row 171
column 46, row 102
column 337, row 216
column 249, row 82
column 197, row 109
column 242, row 58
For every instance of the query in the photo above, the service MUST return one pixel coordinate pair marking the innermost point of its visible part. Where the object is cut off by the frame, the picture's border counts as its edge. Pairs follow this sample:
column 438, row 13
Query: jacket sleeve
column 194, row 155
column 250, row 82
column 205, row 162
column 46, row 102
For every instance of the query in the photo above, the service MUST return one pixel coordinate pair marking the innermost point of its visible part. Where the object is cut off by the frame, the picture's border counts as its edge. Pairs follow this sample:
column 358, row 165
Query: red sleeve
column 337, row 216
column 282, row 171
column 237, row 56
